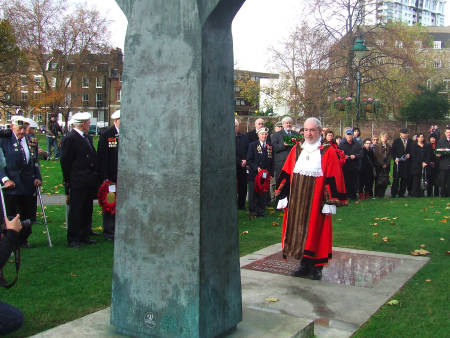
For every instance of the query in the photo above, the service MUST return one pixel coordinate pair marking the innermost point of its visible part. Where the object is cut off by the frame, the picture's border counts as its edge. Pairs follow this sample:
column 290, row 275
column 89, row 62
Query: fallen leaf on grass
column 393, row 302
column 442, row 239
column 394, row 217
column 375, row 234
column 275, row 224
column 406, row 204
column 446, row 217
column 384, row 219
column 393, row 223
column 423, row 246
column 244, row 233
column 443, row 220
column 375, row 224
column 428, row 280
column 339, row 219
column 437, row 212
column 271, row 299
column 420, row 252
column 72, row 274
column 385, row 239
column 357, row 202
column 448, row 252
column 377, row 218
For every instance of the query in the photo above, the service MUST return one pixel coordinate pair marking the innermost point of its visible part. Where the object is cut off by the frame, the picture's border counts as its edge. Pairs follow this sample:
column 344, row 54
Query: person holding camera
column 20, row 175
column 11, row 318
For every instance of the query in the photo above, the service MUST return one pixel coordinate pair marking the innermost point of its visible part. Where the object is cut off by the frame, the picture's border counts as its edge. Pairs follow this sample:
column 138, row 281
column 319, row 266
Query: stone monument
column 176, row 259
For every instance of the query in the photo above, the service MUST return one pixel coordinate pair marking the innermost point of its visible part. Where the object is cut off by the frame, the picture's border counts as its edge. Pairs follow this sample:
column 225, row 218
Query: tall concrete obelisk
column 176, row 259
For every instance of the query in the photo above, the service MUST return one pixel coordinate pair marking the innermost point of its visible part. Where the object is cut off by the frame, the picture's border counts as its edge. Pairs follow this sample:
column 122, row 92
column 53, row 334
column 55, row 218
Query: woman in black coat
column 420, row 160
column 433, row 169
column 366, row 175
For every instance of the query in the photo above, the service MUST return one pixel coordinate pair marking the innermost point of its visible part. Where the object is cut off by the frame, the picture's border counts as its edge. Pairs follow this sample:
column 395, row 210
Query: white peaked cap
column 17, row 118
column 116, row 115
column 81, row 117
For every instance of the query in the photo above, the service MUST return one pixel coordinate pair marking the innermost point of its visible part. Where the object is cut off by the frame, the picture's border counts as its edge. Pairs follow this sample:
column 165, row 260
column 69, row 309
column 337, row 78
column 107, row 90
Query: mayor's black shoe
column 302, row 271
column 316, row 273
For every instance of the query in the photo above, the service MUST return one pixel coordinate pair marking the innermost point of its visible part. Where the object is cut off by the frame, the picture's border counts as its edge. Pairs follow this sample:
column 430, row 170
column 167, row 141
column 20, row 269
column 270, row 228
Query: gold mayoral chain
column 309, row 152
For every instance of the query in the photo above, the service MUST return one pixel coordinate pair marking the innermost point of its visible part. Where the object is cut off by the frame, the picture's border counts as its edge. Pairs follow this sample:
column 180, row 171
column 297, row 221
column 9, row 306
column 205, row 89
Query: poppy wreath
column 106, row 199
column 262, row 187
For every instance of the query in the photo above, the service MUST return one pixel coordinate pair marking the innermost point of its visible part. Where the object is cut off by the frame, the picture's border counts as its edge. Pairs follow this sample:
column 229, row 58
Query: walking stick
column 38, row 190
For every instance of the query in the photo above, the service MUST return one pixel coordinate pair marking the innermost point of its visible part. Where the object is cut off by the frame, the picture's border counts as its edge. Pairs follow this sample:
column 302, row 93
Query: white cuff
column 282, row 203
column 4, row 179
column 329, row 209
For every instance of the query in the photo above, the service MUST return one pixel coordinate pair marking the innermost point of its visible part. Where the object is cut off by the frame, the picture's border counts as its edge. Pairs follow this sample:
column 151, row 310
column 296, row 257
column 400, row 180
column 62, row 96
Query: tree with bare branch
column 57, row 38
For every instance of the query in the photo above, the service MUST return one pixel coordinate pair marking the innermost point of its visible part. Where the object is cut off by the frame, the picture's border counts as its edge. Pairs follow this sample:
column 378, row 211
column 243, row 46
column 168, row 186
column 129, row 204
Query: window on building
column 437, row 45
column 446, row 84
column 53, row 82
column 68, row 82
column 84, row 82
column 85, row 97
column 98, row 82
column 437, row 63
column 24, row 95
column 429, row 83
column 101, row 116
column 38, row 80
column 68, row 100
column 119, row 95
column 237, row 89
column 398, row 44
column 99, row 99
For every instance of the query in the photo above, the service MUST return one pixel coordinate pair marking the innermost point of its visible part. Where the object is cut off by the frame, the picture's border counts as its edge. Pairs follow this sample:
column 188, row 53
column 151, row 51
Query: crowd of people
column 412, row 166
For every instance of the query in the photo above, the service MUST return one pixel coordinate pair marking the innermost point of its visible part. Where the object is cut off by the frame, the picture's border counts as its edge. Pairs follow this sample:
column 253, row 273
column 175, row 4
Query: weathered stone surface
column 176, row 264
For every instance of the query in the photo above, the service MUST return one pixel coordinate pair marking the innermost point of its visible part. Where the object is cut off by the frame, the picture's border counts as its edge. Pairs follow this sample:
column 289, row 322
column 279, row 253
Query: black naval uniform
column 79, row 167
column 22, row 172
column 108, row 153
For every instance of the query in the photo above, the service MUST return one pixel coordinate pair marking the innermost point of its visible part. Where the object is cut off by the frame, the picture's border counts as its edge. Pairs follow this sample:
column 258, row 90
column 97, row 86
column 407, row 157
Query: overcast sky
column 258, row 25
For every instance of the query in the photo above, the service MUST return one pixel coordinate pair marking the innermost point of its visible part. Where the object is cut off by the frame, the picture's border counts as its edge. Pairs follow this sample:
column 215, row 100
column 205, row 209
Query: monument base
column 255, row 323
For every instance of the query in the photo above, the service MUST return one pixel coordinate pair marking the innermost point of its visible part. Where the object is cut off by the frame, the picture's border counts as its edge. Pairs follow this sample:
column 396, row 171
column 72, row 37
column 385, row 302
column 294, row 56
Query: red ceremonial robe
column 307, row 232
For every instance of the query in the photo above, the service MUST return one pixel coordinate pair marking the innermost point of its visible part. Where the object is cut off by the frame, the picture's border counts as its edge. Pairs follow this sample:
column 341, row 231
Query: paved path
column 56, row 199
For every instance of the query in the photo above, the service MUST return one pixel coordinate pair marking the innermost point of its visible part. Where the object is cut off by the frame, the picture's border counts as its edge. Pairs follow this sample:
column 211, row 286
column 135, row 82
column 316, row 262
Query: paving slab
column 355, row 285
column 333, row 303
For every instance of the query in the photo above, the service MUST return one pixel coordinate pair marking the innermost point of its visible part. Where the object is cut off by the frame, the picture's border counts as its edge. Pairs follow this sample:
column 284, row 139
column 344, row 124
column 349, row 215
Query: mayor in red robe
column 309, row 188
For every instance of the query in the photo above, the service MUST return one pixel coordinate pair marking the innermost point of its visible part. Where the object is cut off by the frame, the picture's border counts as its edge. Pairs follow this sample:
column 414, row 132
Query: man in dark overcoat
column 259, row 157
column 79, row 168
column 444, row 164
column 351, row 167
column 20, row 176
column 280, row 147
column 241, row 165
column 401, row 153
column 108, row 157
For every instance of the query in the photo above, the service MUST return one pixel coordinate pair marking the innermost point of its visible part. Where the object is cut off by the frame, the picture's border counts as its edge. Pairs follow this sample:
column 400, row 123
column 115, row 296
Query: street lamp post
column 359, row 49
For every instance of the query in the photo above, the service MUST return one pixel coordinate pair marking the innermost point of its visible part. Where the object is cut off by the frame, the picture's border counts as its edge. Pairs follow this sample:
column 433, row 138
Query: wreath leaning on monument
column 106, row 198
column 262, row 185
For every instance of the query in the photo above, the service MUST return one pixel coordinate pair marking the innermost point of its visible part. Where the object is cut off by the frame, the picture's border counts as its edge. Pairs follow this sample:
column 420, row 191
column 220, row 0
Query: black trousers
column 416, row 190
column 256, row 202
column 80, row 214
column 109, row 223
column 366, row 182
column 351, row 181
column 241, row 175
column 400, row 183
column 23, row 205
column 444, row 182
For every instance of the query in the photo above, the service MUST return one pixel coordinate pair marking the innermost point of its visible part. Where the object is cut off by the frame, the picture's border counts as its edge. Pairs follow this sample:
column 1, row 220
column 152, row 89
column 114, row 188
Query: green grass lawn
column 60, row 284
